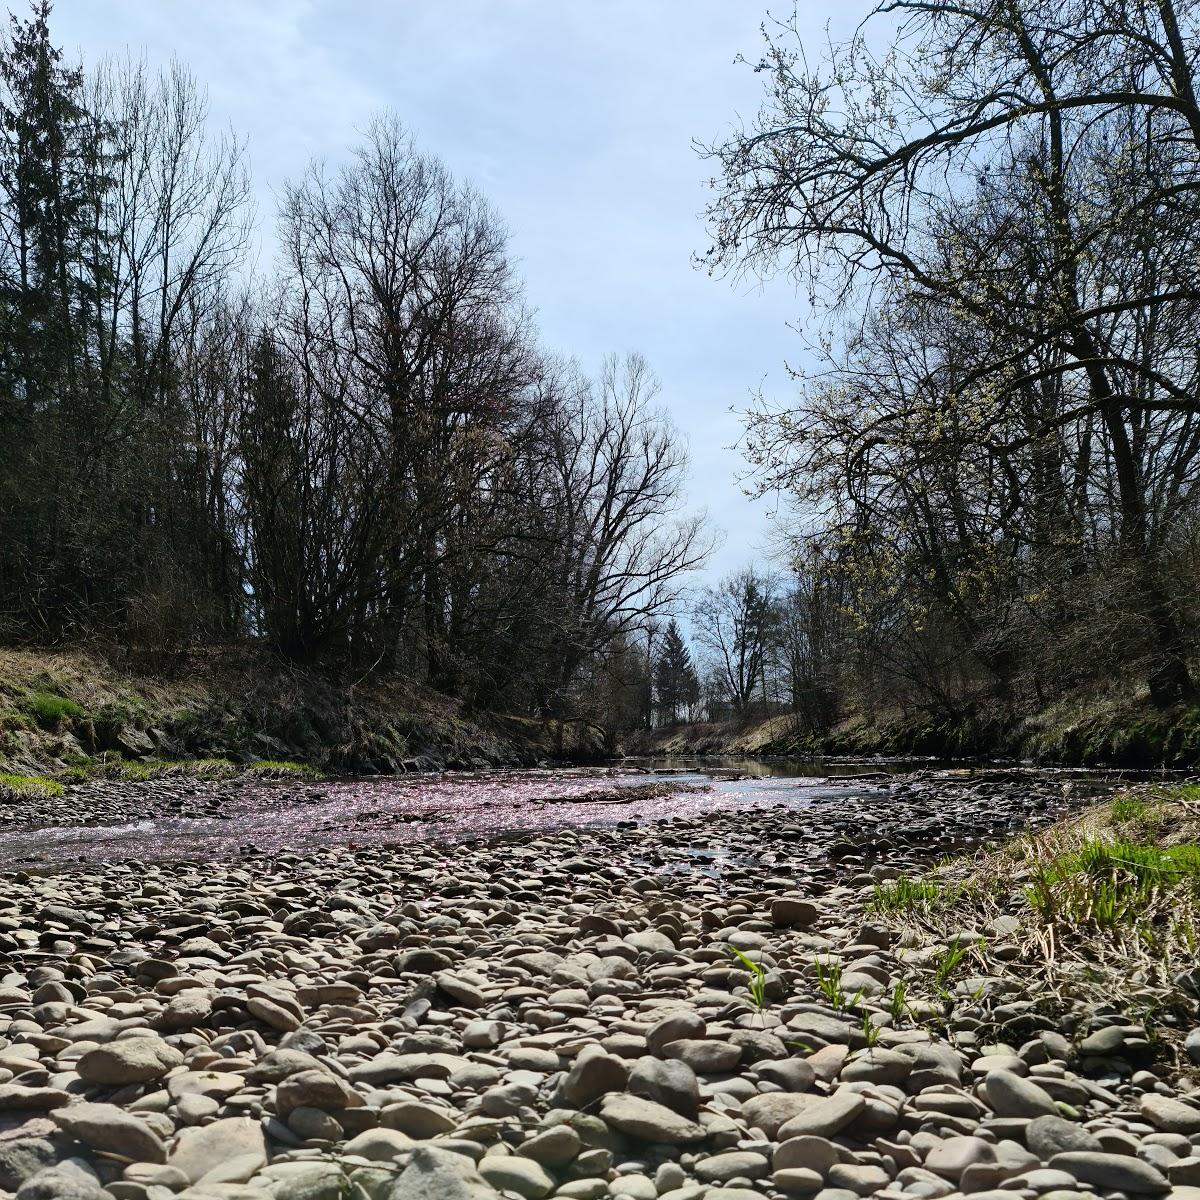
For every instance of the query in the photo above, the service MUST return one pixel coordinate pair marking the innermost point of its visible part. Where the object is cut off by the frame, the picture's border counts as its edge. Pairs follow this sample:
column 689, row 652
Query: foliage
column 676, row 684
column 898, row 895
column 1111, row 883
column 996, row 457
column 758, row 978
column 829, row 984
column 870, row 1030
column 367, row 463
column 949, row 961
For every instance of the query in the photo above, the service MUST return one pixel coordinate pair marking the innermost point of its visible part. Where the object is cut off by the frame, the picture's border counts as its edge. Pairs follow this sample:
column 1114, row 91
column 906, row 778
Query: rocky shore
column 705, row 1008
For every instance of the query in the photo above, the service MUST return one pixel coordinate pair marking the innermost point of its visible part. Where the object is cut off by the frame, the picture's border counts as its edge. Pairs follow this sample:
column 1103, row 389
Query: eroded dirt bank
column 80, row 710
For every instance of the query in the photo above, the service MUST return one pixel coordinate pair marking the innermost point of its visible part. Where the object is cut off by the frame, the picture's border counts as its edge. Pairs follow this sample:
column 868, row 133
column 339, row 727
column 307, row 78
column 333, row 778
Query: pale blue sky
column 575, row 117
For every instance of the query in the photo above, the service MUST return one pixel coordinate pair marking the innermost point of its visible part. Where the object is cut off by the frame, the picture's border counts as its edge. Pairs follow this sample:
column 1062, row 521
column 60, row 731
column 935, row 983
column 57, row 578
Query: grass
column 870, row 1030
column 758, row 978
column 141, row 770
column 48, row 709
column 906, row 894
column 1128, row 808
column 29, row 785
column 829, row 984
column 900, row 895
column 949, row 962
column 217, row 700
column 270, row 766
column 1107, row 908
column 1110, row 884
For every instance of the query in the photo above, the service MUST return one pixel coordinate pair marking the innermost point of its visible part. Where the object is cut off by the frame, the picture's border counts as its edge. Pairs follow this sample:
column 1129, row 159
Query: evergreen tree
column 52, row 437
column 44, row 183
column 676, row 684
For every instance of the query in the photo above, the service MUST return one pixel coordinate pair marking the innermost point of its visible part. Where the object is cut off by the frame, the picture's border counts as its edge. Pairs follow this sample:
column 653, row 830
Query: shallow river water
column 178, row 817
column 108, row 820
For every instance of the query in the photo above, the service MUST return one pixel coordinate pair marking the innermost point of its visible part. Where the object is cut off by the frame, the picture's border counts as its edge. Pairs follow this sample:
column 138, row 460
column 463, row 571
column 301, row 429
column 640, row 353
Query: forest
column 361, row 458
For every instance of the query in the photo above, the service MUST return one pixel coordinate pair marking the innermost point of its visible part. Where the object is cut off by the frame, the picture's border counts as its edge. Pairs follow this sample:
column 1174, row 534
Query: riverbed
column 562, row 985
column 181, row 817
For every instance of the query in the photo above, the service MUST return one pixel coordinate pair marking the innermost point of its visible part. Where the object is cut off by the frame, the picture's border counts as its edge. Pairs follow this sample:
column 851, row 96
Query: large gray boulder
column 111, row 1130
column 434, row 1174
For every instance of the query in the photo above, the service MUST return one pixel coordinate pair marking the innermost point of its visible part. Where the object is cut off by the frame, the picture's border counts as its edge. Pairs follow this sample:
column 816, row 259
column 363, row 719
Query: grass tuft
column 48, row 709
column 274, row 767
column 915, row 895
column 758, row 978
column 28, row 786
column 1129, row 808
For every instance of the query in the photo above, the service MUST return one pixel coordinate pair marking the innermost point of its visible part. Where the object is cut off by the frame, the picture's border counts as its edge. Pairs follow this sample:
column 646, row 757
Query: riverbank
column 85, row 712
column 583, row 1013
column 1109, row 731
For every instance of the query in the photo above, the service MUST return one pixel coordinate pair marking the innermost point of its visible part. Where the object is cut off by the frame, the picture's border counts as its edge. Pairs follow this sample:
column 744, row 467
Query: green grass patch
column 1112, row 884
column 270, row 766
column 1145, row 866
column 140, row 770
column 1182, row 793
column 48, row 709
column 29, row 785
column 1127, row 809
column 907, row 895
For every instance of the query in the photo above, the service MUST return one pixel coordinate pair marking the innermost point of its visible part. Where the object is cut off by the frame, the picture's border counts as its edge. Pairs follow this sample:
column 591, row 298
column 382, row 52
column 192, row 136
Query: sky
column 576, row 118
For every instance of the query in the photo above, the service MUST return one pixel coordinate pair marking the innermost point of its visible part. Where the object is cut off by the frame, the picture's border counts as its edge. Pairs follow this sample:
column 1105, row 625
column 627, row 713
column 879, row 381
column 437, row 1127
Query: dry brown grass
column 1082, row 939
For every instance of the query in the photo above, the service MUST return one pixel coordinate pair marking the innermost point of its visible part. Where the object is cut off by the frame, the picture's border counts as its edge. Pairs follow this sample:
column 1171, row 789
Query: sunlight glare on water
column 279, row 816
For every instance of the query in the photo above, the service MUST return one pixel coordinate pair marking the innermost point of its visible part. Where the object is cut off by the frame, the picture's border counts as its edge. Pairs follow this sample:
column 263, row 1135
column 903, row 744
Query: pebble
column 560, row 1015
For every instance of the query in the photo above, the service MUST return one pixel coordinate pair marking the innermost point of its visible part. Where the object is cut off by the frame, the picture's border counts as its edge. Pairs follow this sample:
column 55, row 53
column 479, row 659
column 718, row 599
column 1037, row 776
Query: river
column 182, row 817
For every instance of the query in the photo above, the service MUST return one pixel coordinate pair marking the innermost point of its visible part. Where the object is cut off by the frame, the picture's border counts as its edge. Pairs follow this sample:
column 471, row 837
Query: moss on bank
column 20, row 786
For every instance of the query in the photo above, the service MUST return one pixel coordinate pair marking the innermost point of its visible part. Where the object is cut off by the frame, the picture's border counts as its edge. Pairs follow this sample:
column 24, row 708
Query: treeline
column 993, row 475
column 362, row 458
column 758, row 643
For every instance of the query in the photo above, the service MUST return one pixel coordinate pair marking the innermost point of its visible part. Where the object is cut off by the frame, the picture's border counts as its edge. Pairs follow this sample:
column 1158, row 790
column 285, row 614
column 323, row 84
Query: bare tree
column 734, row 622
column 618, row 541
column 1027, row 170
